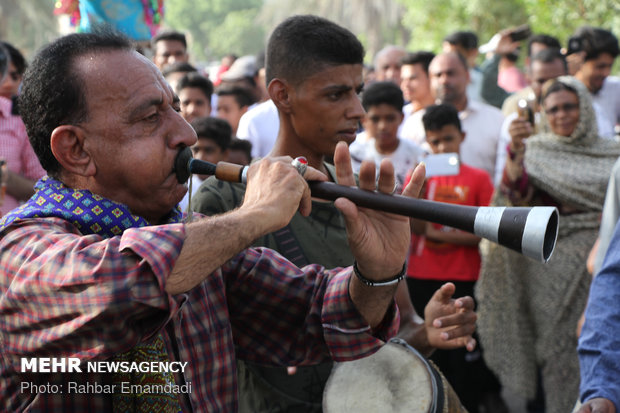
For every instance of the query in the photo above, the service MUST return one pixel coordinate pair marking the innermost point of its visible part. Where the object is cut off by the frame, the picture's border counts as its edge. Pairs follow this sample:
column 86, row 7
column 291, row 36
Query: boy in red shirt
column 440, row 253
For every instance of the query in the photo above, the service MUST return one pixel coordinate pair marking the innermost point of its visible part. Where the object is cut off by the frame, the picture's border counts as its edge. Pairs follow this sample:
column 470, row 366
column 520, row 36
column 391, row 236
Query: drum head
column 394, row 379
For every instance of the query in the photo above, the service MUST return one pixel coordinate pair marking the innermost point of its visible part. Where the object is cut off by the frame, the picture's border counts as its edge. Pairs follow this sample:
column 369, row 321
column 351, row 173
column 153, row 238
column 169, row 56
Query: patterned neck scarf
column 93, row 214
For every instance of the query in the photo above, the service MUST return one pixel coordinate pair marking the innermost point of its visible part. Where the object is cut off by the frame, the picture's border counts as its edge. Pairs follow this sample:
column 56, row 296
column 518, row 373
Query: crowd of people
column 260, row 288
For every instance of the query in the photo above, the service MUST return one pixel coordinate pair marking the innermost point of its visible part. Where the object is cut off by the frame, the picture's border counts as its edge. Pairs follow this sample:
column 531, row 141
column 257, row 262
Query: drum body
column 397, row 378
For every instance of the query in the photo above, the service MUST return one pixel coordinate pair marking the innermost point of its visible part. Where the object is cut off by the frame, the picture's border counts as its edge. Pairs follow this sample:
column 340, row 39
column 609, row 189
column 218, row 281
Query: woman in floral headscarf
column 528, row 311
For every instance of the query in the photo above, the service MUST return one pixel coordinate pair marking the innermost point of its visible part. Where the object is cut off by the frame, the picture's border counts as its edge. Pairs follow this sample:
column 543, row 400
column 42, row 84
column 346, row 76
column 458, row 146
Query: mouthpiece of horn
column 181, row 164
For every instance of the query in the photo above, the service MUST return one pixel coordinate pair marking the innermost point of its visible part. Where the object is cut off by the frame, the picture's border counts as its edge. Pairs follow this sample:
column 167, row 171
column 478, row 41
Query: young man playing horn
column 314, row 75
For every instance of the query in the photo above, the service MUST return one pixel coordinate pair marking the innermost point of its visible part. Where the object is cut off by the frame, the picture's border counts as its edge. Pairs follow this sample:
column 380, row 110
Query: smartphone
column 524, row 109
column 442, row 164
column 521, row 33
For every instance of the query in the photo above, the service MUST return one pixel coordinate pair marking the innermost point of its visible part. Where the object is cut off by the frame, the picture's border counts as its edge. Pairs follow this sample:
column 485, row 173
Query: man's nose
column 182, row 134
column 356, row 110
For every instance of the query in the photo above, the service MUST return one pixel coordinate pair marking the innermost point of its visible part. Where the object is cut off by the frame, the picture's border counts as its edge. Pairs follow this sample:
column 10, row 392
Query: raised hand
column 450, row 322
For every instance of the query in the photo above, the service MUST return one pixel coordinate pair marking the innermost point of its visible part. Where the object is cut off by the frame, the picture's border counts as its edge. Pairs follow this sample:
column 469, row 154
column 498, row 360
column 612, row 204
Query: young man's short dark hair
column 383, row 93
column 169, row 35
column 303, row 45
column 593, row 41
column 422, row 58
column 549, row 41
column 218, row 130
column 54, row 94
column 242, row 95
column 438, row 116
column 468, row 40
column 198, row 81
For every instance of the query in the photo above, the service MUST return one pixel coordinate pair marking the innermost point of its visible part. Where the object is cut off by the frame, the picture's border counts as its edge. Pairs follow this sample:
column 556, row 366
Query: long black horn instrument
column 531, row 231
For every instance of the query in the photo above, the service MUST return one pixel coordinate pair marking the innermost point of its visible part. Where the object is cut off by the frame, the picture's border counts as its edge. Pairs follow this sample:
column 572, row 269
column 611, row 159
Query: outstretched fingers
column 342, row 162
column 414, row 187
column 455, row 318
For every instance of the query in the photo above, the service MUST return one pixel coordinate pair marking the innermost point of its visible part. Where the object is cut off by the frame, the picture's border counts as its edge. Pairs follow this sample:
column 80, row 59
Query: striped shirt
column 64, row 294
column 16, row 150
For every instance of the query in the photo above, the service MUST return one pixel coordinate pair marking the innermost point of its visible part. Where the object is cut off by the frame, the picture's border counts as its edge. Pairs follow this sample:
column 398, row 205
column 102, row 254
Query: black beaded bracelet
column 394, row 280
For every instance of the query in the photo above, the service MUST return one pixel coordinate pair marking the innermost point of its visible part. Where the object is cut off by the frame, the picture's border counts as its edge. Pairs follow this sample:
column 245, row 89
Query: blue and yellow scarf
column 93, row 214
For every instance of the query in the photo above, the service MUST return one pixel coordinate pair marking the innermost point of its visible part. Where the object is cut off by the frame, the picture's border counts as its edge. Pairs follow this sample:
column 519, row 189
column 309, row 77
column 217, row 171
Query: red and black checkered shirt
column 63, row 294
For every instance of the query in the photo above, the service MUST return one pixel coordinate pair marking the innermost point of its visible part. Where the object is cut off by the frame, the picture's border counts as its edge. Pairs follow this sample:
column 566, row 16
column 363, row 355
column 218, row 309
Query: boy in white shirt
column 383, row 102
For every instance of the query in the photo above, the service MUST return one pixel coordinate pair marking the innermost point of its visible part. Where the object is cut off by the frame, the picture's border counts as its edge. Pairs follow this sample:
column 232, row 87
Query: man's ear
column 279, row 91
column 67, row 142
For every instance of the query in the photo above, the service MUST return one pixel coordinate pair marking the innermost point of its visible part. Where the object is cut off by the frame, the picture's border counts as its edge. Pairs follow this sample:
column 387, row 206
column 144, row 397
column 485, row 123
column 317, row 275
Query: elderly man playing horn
column 99, row 267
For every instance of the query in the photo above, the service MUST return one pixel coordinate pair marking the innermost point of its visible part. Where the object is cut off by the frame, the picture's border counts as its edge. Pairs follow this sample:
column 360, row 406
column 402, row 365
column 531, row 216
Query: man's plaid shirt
column 63, row 294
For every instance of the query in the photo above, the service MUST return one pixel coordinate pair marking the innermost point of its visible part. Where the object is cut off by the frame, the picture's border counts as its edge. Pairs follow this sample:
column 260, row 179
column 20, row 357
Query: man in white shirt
column 416, row 86
column 466, row 43
column 481, row 122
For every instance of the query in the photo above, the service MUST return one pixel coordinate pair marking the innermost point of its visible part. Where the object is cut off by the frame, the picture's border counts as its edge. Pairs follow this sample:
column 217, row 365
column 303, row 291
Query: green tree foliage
column 375, row 22
column 429, row 22
column 217, row 27
column 561, row 17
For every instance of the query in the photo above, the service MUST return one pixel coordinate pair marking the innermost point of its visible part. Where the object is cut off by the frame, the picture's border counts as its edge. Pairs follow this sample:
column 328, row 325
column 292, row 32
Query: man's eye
column 152, row 117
